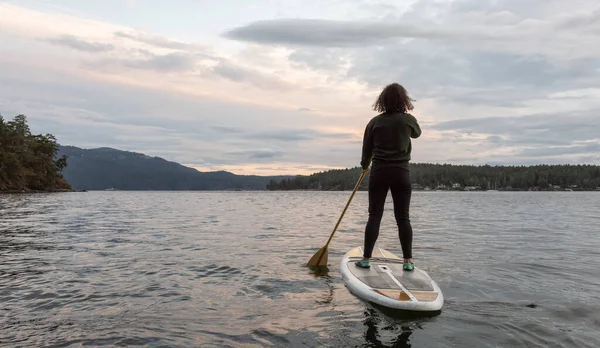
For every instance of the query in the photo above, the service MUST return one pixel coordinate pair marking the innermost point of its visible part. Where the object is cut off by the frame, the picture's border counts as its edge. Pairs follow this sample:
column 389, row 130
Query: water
column 225, row 269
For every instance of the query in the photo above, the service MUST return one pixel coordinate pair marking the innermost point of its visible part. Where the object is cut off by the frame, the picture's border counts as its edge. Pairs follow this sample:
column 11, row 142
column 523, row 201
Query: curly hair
column 393, row 98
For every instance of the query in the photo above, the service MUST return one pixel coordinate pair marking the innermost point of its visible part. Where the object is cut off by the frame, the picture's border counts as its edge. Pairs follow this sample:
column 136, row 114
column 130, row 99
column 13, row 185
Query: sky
column 286, row 87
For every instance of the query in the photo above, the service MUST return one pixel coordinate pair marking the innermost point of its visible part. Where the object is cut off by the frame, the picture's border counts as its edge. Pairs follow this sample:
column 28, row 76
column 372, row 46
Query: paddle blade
column 319, row 259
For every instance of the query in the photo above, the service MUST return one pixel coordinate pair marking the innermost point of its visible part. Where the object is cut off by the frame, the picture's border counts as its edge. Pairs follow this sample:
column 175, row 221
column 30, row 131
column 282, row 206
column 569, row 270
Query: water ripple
column 225, row 269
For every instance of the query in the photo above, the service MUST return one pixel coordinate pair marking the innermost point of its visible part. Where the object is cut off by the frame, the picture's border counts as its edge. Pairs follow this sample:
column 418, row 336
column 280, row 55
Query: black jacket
column 387, row 140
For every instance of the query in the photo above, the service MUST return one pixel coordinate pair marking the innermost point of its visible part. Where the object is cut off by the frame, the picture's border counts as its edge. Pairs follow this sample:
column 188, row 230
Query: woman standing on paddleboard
column 387, row 143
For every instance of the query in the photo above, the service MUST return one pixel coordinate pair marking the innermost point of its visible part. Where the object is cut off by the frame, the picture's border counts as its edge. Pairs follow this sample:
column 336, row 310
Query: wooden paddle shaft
column 346, row 207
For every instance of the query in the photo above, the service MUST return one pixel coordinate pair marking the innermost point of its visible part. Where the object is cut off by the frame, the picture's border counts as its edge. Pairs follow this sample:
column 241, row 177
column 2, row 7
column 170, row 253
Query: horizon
column 348, row 168
column 234, row 86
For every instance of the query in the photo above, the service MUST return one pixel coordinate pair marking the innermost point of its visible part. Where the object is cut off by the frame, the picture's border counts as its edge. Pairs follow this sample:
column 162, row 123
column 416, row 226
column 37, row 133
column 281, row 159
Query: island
column 28, row 162
column 451, row 177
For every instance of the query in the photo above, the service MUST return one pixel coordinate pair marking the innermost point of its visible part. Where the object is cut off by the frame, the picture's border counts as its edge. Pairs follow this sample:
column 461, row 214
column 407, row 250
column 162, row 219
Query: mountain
column 107, row 168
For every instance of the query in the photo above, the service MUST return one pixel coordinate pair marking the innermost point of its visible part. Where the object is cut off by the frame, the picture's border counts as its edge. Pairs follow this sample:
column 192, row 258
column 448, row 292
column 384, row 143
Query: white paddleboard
column 385, row 283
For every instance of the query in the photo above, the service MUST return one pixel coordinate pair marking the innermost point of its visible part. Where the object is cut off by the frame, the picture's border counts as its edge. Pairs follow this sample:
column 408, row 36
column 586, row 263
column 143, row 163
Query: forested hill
column 461, row 177
column 28, row 161
column 107, row 168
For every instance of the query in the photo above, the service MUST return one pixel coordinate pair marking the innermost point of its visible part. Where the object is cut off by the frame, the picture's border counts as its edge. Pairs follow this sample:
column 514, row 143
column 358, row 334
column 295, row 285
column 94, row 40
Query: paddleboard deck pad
column 385, row 283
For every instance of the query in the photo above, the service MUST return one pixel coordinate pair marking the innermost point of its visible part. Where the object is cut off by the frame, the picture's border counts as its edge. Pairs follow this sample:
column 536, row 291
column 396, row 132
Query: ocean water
column 226, row 269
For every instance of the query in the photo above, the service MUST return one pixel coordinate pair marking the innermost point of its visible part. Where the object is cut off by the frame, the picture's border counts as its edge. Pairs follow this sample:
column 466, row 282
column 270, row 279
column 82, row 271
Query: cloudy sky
column 286, row 86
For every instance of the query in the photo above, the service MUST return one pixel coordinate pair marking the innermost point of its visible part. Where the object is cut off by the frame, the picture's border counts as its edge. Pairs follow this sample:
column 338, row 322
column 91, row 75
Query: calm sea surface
column 226, row 269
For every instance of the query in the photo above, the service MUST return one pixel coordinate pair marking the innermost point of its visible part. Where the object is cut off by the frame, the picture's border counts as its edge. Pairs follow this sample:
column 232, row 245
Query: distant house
column 417, row 187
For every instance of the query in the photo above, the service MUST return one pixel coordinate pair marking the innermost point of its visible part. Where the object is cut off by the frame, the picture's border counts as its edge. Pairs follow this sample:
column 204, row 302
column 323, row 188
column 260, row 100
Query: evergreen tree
column 28, row 161
column 460, row 177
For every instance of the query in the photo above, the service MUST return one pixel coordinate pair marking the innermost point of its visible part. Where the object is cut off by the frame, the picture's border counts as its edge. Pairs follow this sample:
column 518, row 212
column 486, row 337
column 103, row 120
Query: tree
column 585, row 177
column 28, row 161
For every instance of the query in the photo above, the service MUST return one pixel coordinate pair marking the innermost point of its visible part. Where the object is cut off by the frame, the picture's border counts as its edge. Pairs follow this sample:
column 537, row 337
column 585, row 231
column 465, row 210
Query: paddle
column 319, row 259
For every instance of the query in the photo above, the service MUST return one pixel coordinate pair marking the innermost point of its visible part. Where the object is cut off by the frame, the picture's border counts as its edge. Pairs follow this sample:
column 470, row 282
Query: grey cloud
column 177, row 127
column 187, row 62
column 495, row 139
column 499, row 53
column 296, row 135
column 171, row 62
column 507, row 69
column 204, row 127
column 283, row 135
column 235, row 157
column 576, row 154
column 543, row 158
column 511, row 98
column 416, row 65
column 334, row 33
column 591, row 148
column 225, row 129
column 542, row 131
column 530, row 8
column 237, row 73
column 153, row 40
column 587, row 19
column 473, row 77
column 522, row 124
column 589, row 159
column 256, row 154
column 80, row 44
column 320, row 59
column 455, row 74
column 378, row 7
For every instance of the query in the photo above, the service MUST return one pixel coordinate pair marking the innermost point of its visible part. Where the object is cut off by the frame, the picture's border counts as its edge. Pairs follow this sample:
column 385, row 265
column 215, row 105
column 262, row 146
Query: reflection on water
column 227, row 269
column 372, row 334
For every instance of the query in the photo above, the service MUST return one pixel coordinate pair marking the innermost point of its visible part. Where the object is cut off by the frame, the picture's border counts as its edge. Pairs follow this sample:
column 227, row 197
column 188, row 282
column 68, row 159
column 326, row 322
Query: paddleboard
column 385, row 283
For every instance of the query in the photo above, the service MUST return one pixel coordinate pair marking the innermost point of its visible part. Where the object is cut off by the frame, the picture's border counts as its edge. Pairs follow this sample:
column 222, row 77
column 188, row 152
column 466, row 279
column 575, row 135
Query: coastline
column 446, row 190
column 27, row 191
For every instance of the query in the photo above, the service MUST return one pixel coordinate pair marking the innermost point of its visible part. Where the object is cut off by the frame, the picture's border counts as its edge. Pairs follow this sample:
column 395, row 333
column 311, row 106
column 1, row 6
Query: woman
column 387, row 142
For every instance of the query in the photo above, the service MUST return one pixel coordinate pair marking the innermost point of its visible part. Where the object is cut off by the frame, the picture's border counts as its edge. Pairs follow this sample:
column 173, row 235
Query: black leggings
column 397, row 180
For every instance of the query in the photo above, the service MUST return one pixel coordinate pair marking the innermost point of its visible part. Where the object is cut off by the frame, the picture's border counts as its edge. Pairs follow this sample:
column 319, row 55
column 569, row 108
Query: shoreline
column 420, row 190
column 27, row 191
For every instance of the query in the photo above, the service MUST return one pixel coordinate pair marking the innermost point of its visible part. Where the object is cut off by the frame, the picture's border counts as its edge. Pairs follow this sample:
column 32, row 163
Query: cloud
column 256, row 154
column 544, row 128
column 297, row 135
column 477, row 25
column 189, row 60
column 225, row 129
column 323, row 59
column 74, row 42
column 154, row 40
column 326, row 33
column 238, row 73
column 198, row 131
column 171, row 62
column 453, row 49
column 120, row 51
column 494, row 81
column 587, row 149
column 337, row 33
column 533, row 138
